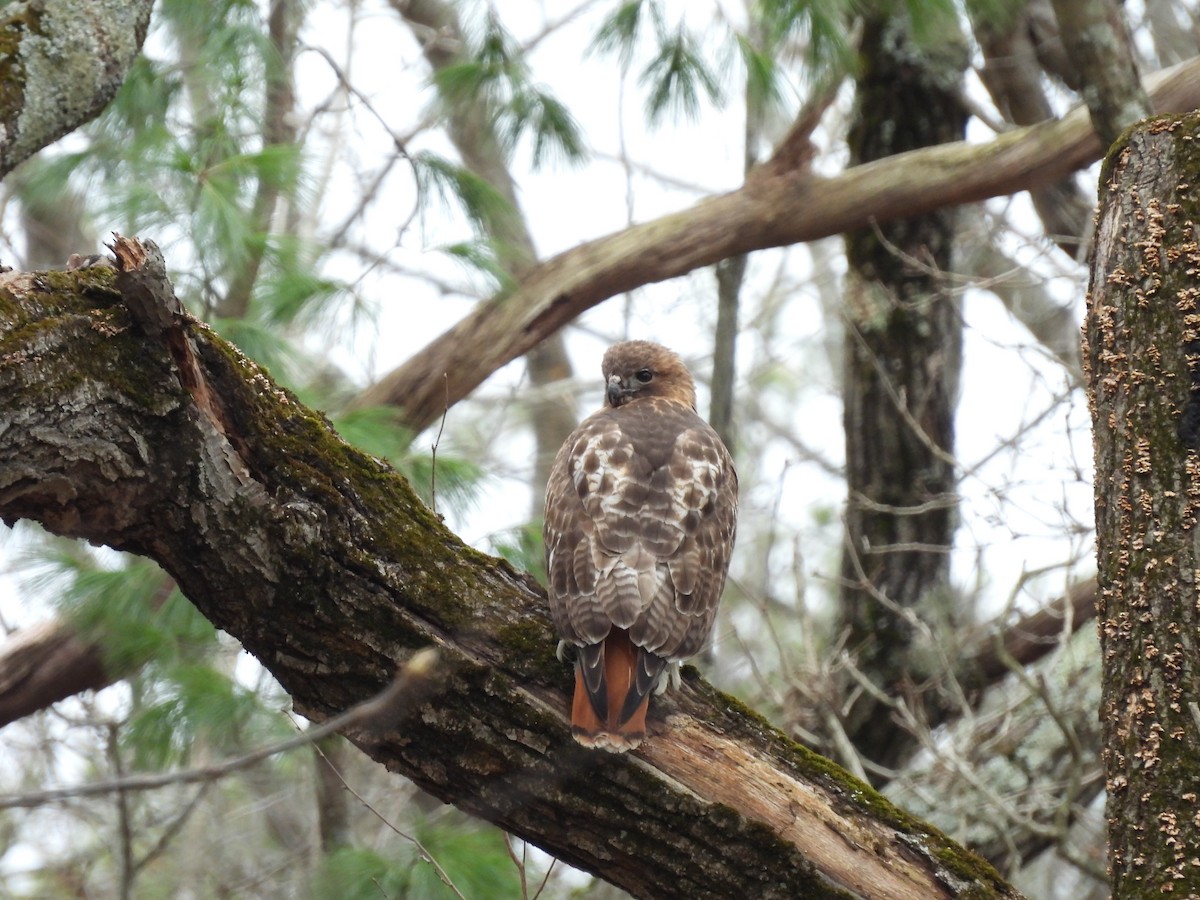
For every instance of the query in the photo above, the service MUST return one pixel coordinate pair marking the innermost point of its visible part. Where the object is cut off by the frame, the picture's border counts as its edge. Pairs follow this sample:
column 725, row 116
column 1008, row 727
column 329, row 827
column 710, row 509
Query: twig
column 173, row 829
column 545, row 879
column 399, row 142
column 518, row 863
column 425, row 854
column 436, row 441
column 522, row 866
column 125, row 834
column 386, row 704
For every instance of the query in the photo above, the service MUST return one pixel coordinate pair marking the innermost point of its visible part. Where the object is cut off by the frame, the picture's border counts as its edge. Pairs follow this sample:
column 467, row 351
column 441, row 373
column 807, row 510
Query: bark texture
column 125, row 422
column 60, row 64
column 779, row 205
column 1141, row 355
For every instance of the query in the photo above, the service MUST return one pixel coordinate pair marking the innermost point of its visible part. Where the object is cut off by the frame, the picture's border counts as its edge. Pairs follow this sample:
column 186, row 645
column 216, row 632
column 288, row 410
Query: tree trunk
column 128, row 423
column 902, row 357
column 1142, row 338
column 1096, row 39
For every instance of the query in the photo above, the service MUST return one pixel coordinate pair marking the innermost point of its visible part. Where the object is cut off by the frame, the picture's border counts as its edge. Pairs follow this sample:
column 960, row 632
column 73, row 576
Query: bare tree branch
column 388, row 708
column 774, row 208
column 43, row 664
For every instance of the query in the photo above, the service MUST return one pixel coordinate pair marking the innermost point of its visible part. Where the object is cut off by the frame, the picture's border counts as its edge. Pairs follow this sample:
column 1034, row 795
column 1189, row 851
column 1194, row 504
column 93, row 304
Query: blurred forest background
column 335, row 184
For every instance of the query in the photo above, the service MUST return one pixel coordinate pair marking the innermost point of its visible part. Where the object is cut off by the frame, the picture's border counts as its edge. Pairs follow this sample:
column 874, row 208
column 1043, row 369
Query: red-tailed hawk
column 641, row 509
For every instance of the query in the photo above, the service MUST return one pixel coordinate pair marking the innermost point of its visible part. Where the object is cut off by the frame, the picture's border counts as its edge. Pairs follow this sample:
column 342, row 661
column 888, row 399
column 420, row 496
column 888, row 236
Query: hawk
column 641, row 509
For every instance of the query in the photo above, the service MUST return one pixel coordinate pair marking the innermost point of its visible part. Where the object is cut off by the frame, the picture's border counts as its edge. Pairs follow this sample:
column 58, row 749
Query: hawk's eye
column 644, row 376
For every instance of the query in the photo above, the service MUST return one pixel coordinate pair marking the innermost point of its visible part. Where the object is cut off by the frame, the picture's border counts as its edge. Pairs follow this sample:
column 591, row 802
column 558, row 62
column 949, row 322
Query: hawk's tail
column 613, row 681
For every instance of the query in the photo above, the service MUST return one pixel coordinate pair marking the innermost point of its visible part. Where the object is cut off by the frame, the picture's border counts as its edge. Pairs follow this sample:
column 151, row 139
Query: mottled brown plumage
column 641, row 509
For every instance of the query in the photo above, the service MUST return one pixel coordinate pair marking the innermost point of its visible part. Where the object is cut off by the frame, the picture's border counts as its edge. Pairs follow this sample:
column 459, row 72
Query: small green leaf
column 820, row 26
column 474, row 858
column 481, row 258
column 522, row 546
column 191, row 705
column 467, row 81
column 356, row 873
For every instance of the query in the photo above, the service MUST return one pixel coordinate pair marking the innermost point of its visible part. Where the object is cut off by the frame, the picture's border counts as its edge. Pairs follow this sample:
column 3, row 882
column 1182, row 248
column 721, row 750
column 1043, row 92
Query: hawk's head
column 638, row 369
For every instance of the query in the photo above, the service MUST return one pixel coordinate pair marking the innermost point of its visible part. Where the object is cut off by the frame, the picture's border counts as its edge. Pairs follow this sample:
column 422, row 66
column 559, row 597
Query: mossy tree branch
column 130, row 424
column 61, row 62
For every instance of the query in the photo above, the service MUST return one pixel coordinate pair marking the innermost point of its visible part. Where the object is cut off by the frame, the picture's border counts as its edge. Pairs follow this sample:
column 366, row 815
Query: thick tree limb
column 147, row 433
column 774, row 208
column 61, row 62
column 43, row 664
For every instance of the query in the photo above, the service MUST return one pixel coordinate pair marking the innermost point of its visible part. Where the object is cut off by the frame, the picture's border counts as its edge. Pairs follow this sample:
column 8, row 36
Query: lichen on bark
column 61, row 62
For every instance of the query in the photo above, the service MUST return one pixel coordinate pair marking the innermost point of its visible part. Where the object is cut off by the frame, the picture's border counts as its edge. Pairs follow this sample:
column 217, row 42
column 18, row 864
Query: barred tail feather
column 613, row 683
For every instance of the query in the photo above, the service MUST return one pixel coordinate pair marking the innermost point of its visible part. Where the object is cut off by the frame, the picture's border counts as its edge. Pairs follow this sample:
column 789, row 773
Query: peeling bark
column 1141, row 360
column 138, row 428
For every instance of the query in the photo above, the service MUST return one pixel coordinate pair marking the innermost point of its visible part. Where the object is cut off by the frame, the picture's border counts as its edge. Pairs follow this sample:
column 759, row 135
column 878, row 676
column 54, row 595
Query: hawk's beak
column 616, row 390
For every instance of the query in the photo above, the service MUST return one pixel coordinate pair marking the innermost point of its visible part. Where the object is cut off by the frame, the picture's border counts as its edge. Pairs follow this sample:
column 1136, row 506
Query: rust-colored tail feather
column 609, row 708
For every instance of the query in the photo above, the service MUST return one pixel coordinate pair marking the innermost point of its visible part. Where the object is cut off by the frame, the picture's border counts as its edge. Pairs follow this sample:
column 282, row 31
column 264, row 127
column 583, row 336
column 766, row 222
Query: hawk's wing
column 641, row 509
